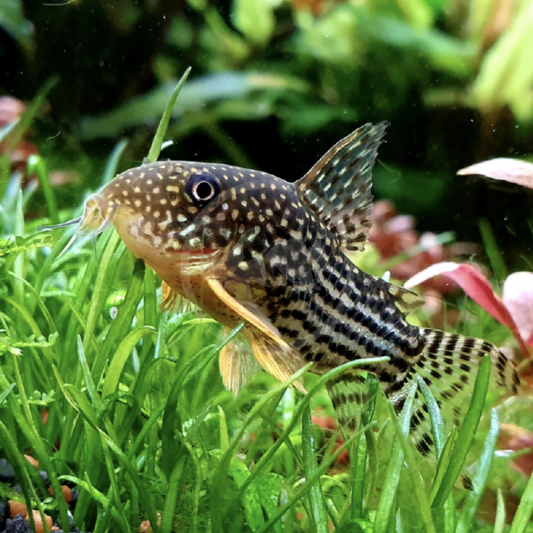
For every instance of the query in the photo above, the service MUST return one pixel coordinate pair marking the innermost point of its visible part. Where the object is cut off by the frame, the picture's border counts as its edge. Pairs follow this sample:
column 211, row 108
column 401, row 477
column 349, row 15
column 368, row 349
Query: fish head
column 188, row 220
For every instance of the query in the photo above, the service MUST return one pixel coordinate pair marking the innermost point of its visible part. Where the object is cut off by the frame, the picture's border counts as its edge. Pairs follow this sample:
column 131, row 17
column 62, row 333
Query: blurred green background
column 276, row 82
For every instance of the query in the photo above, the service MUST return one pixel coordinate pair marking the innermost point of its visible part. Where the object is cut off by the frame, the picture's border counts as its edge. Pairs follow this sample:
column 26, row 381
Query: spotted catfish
column 250, row 248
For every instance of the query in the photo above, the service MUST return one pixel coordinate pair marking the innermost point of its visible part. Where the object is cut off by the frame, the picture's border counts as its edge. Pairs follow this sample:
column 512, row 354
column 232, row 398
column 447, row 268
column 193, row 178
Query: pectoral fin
column 237, row 365
column 248, row 314
column 278, row 361
column 173, row 301
column 269, row 349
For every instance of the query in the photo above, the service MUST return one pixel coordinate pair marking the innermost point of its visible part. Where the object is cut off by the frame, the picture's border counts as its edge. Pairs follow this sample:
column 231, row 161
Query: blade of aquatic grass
column 37, row 301
column 121, row 356
column 219, row 505
column 444, row 462
column 522, row 518
column 27, row 117
column 316, row 496
column 19, row 265
column 361, row 450
column 37, row 165
column 270, row 427
column 499, row 521
column 6, row 393
column 170, row 417
column 114, row 499
column 150, row 308
column 439, row 438
column 87, row 377
column 473, row 497
column 491, row 248
column 99, row 289
column 151, row 314
column 419, row 490
column 216, row 506
column 392, row 478
column 112, row 162
column 33, row 361
column 90, row 408
column 82, row 288
column 98, row 496
column 171, row 498
column 121, row 325
column 159, row 136
column 6, row 130
column 372, row 469
column 437, row 424
column 466, row 433
column 45, row 269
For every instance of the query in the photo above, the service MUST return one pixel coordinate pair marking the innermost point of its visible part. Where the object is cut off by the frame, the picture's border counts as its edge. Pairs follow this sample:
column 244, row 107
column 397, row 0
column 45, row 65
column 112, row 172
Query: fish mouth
column 95, row 219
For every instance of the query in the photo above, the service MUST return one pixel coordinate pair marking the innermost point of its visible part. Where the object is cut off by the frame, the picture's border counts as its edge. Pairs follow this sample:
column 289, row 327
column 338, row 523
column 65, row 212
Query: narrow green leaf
column 297, row 413
column 316, row 497
column 499, row 522
column 112, row 162
column 466, row 433
column 6, row 393
column 392, row 477
column 490, row 246
column 87, row 376
column 437, row 424
column 522, row 518
column 473, row 498
column 171, row 500
column 423, row 502
column 360, row 450
column 37, row 165
column 121, row 356
column 159, row 136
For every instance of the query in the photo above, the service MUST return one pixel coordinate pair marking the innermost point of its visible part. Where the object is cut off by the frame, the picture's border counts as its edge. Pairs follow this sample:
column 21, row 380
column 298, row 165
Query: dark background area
column 306, row 73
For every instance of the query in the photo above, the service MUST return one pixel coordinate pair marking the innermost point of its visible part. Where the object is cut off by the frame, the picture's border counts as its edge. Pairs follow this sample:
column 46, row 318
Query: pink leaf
column 518, row 298
column 502, row 168
column 476, row 286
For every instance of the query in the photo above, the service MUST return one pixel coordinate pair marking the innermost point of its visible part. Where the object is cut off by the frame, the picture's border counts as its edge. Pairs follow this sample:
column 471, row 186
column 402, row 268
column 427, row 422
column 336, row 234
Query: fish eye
column 202, row 188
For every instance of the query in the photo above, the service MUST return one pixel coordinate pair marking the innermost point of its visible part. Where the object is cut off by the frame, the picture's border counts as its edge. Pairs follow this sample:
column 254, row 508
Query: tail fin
column 448, row 364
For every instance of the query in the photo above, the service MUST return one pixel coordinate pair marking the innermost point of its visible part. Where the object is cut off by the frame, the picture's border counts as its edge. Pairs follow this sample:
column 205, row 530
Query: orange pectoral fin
column 269, row 349
column 280, row 362
column 251, row 316
column 172, row 300
column 237, row 364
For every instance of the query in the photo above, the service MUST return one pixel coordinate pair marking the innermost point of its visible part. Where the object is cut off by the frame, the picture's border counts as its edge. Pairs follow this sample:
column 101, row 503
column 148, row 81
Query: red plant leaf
column 518, row 299
column 477, row 287
column 502, row 168
column 516, row 438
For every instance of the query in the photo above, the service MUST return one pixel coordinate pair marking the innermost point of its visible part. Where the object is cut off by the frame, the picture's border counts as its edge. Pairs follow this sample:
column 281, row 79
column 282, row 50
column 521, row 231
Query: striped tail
column 448, row 364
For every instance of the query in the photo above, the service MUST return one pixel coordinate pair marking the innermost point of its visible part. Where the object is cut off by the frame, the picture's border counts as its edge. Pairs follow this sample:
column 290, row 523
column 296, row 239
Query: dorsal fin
column 406, row 300
column 338, row 187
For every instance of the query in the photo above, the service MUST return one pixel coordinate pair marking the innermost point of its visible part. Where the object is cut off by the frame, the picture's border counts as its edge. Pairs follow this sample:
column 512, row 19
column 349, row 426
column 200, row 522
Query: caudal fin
column 449, row 364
